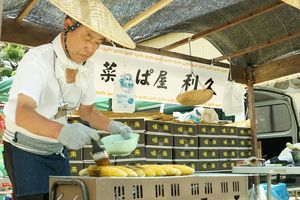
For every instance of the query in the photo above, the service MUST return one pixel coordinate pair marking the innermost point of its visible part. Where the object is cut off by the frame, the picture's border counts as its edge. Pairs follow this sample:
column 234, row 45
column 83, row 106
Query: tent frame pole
column 252, row 117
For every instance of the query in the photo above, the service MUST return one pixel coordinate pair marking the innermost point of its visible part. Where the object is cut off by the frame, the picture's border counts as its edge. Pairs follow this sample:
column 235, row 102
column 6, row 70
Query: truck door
column 276, row 121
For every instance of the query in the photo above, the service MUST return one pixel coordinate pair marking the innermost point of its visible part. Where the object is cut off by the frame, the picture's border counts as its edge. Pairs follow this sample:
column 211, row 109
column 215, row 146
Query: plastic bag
column 194, row 115
column 279, row 191
column 198, row 115
column 124, row 91
column 233, row 98
column 286, row 154
column 209, row 115
column 260, row 195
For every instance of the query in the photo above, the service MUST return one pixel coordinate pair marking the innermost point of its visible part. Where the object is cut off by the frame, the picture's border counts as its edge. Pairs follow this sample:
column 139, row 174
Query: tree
column 10, row 55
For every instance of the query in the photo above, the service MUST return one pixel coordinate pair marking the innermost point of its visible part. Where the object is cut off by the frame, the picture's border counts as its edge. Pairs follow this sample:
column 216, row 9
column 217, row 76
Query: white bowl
column 116, row 145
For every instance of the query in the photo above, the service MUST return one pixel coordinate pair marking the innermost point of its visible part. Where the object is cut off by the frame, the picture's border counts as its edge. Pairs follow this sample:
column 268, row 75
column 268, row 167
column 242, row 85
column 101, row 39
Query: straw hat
column 94, row 15
column 195, row 97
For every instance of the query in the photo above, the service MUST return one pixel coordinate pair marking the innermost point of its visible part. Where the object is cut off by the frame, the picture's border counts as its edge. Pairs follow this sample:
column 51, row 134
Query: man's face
column 82, row 43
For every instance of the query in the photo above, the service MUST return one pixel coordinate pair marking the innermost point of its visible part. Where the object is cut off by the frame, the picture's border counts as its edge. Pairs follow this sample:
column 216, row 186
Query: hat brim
column 95, row 16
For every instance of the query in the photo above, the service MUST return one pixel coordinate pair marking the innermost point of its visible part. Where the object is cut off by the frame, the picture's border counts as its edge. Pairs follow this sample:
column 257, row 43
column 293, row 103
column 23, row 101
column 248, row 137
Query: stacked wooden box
column 203, row 147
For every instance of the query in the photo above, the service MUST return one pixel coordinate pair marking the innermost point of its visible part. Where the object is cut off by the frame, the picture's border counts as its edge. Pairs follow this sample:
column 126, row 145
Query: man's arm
column 98, row 121
column 29, row 119
column 95, row 118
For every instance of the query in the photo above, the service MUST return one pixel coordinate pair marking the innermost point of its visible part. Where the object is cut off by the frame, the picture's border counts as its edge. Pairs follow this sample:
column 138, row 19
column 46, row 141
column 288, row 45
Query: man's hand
column 75, row 136
column 116, row 127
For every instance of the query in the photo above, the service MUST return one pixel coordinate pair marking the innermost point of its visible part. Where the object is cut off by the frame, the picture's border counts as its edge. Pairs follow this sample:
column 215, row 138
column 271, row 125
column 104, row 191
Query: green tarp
column 4, row 88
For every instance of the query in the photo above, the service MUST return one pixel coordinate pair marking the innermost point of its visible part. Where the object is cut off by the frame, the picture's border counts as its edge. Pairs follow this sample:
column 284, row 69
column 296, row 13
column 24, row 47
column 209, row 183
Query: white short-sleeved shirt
column 36, row 78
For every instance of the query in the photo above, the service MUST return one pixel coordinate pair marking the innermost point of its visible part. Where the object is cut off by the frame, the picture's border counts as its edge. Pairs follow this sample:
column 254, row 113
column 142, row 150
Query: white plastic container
column 124, row 91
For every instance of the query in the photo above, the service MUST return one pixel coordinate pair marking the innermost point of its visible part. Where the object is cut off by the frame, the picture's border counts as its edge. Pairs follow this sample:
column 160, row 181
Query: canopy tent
column 231, row 25
column 259, row 38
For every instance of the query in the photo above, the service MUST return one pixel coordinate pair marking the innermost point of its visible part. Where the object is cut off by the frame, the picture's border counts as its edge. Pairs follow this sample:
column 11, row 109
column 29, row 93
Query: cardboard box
column 228, row 153
column 75, row 167
column 141, row 140
column 139, row 152
column 153, row 152
column 87, row 153
column 185, row 153
column 208, row 141
column 208, row 165
column 193, row 187
column 226, row 164
column 158, row 161
column 159, row 139
column 184, row 129
column 228, row 130
column 86, row 164
column 208, row 130
column 133, row 161
column 75, row 155
column 244, row 131
column 208, row 154
column 244, row 142
column 134, row 123
column 228, row 142
column 244, row 153
column 159, row 126
column 185, row 141
column 190, row 162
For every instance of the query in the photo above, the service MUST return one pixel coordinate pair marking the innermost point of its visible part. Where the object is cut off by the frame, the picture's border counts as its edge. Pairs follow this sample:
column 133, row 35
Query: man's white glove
column 116, row 127
column 74, row 136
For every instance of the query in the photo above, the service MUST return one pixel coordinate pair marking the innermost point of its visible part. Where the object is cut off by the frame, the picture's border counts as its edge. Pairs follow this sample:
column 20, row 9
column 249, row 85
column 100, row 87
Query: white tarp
column 157, row 78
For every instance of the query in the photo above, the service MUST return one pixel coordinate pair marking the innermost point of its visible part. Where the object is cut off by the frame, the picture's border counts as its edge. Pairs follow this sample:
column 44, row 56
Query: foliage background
column 10, row 55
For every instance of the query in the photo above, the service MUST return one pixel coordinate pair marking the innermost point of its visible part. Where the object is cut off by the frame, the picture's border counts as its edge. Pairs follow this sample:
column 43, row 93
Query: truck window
column 273, row 118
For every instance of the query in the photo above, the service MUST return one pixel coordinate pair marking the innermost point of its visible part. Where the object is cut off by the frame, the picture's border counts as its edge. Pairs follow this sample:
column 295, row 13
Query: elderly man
column 51, row 81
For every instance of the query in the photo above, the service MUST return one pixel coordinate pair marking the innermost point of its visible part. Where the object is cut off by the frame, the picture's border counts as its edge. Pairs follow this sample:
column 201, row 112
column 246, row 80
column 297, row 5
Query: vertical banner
column 157, row 78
